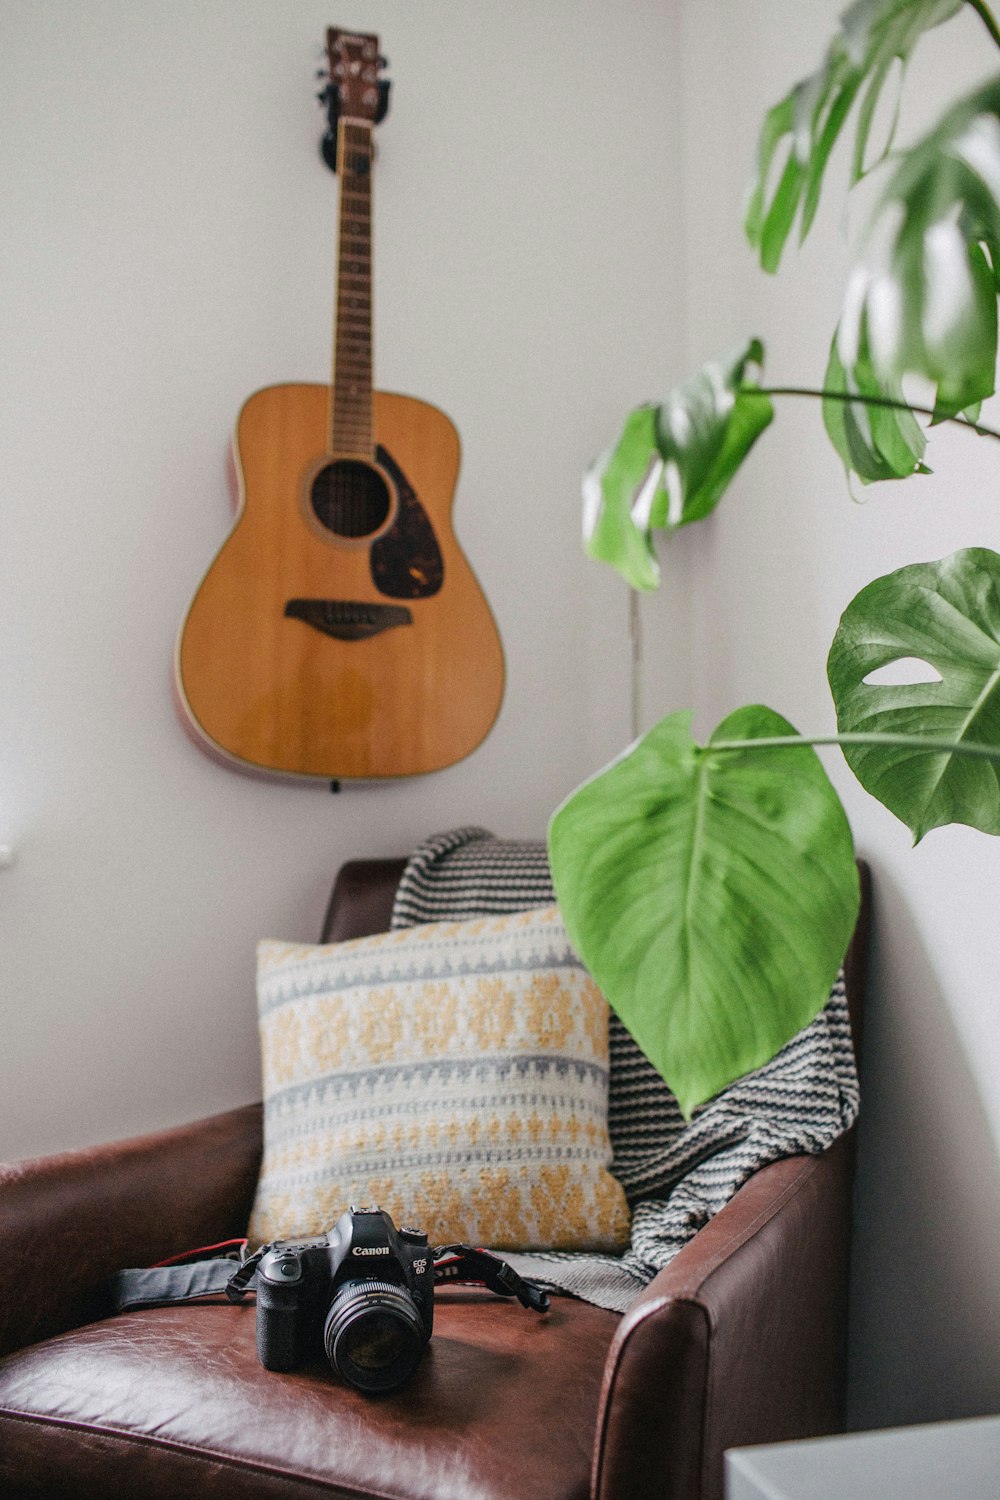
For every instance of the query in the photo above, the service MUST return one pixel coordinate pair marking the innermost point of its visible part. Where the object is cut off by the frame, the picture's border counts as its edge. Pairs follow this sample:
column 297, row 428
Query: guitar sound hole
column 350, row 498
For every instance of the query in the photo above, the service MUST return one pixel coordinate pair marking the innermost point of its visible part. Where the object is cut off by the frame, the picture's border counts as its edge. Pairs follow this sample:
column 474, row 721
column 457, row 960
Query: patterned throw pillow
column 455, row 1074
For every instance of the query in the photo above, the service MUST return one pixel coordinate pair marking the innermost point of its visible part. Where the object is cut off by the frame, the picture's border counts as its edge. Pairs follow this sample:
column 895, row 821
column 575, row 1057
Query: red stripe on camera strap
column 468, row 1267
column 225, row 1249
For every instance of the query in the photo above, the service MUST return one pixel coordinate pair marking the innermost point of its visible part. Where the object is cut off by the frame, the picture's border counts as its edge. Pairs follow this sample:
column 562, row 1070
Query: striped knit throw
column 676, row 1173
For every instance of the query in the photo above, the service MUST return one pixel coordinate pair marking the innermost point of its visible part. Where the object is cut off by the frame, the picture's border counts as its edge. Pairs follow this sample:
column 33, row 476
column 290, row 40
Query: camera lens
column 374, row 1335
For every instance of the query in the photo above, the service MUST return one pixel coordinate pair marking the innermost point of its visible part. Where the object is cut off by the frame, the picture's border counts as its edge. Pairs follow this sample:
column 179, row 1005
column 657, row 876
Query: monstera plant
column 711, row 888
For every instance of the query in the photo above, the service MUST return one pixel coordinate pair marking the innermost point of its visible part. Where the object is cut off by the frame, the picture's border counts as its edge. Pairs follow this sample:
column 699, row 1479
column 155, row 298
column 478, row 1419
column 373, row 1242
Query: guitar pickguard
column 406, row 561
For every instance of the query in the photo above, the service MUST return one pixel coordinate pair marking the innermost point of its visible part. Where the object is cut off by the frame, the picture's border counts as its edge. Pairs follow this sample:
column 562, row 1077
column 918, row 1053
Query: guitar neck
column 351, row 404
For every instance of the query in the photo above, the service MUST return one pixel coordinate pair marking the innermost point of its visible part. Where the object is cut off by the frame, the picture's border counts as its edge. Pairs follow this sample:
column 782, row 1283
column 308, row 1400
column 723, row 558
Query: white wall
column 166, row 247
column 770, row 575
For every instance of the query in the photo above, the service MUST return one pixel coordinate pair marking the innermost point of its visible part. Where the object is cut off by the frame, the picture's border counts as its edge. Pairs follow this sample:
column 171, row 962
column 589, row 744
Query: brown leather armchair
column 739, row 1340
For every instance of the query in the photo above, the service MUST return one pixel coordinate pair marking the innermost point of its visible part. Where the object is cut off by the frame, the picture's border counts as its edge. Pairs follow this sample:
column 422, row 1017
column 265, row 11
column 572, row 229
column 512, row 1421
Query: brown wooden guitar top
column 291, row 659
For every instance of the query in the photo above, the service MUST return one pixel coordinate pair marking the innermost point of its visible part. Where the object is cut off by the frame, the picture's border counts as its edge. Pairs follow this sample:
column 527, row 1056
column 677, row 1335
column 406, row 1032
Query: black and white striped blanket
column 676, row 1173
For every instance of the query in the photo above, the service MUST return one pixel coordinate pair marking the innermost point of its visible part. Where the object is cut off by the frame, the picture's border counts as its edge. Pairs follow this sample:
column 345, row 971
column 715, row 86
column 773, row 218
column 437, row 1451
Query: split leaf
column 876, row 38
column 946, row 614
column 923, row 299
column 874, row 441
column 672, row 463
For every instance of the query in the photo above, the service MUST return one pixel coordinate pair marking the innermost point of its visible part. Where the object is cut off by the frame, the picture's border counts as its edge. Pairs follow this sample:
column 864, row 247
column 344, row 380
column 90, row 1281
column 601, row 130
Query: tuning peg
column 383, row 62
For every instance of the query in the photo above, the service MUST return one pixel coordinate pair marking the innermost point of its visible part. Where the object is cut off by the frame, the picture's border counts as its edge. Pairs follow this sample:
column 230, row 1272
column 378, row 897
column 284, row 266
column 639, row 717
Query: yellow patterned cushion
column 455, row 1074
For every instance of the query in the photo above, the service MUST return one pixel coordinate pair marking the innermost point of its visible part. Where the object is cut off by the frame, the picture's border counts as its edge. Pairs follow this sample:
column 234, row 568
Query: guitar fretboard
column 351, row 408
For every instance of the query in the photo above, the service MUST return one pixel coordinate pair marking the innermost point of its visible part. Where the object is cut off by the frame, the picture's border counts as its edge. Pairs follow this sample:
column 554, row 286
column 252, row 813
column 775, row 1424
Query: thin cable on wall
column 635, row 661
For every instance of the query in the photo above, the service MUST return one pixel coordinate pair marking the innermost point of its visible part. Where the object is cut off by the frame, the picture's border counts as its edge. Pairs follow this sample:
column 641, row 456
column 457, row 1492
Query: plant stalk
column 983, row 12
column 900, row 741
column 886, row 401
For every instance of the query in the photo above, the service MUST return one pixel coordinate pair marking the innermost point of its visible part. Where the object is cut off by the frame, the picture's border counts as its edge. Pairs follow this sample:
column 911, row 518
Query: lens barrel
column 373, row 1335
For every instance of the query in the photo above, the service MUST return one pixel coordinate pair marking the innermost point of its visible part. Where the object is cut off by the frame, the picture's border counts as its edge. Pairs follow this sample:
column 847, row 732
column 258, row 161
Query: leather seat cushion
column 173, row 1401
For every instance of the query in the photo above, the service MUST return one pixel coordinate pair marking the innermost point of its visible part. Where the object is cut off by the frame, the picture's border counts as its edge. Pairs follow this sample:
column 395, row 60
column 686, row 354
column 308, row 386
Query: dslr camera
column 363, row 1292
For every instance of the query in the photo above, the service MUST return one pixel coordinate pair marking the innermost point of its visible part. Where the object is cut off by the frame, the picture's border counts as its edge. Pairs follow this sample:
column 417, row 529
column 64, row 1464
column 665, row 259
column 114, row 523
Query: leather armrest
column 739, row 1340
column 69, row 1221
column 362, row 899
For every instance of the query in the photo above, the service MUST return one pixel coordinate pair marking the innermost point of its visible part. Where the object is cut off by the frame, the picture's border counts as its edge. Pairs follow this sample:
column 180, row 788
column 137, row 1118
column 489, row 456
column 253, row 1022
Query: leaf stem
column 886, row 401
column 928, row 746
column 983, row 12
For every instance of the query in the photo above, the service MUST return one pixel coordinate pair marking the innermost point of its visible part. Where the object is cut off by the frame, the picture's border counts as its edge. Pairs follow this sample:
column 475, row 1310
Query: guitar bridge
column 348, row 619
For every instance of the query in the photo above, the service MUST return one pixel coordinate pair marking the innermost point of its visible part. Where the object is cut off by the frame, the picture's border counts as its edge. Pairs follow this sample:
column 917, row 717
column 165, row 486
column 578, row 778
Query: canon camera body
column 363, row 1293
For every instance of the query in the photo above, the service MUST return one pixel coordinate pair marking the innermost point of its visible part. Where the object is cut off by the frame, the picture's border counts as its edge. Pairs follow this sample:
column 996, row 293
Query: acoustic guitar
column 340, row 631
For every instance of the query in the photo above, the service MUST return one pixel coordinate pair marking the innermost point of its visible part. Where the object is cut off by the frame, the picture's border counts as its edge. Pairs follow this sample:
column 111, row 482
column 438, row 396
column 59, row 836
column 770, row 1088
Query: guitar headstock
column 354, row 66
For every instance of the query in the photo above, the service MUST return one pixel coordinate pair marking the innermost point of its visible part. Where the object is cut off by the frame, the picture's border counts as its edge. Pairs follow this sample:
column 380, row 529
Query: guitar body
column 322, row 643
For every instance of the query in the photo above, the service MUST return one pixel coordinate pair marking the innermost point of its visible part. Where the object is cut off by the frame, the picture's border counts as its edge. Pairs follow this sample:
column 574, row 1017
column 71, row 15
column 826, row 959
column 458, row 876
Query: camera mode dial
column 281, row 1266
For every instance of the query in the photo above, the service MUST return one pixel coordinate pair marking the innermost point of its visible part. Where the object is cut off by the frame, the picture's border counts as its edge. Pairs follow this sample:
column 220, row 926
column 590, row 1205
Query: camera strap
column 460, row 1263
column 205, row 1272
column 211, row 1272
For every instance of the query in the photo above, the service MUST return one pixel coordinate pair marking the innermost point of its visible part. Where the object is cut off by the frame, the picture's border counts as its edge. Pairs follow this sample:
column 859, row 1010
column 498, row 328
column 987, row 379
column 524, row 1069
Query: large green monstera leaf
column 672, row 463
column 923, row 300
column 874, row 441
column 711, row 893
column 875, row 38
column 945, row 614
